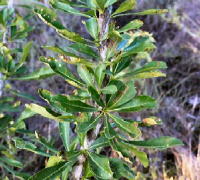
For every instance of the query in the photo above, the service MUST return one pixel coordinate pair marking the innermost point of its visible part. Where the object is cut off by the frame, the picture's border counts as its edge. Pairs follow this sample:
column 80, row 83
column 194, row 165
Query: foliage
column 107, row 69
column 105, row 87
column 13, row 28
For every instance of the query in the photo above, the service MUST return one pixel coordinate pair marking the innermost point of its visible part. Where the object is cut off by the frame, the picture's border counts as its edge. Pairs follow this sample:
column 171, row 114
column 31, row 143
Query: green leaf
column 64, row 128
column 125, row 6
column 5, row 122
column 131, row 151
column 100, row 73
column 85, row 49
column 91, row 4
column 143, row 13
column 92, row 27
column 147, row 75
column 95, row 96
column 85, row 75
column 6, row 107
column 151, row 12
column 142, row 156
column 42, row 140
column 11, row 162
column 27, row 113
column 100, row 3
column 60, row 51
column 100, row 142
column 163, row 142
column 62, row 103
column 109, row 132
column 84, row 127
column 45, row 112
column 135, row 24
column 110, row 89
column 148, row 71
column 148, row 67
column 136, row 104
column 41, row 73
column 25, row 53
column 109, row 3
column 124, row 96
column 61, row 69
column 51, row 172
column 120, row 88
column 23, row 95
column 140, row 44
column 66, row 8
column 50, row 18
column 129, row 127
column 100, row 166
column 121, row 169
column 16, row 174
column 26, row 145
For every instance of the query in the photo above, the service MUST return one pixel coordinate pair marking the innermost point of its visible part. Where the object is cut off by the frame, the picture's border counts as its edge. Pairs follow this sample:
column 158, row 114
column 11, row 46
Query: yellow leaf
column 150, row 121
column 53, row 160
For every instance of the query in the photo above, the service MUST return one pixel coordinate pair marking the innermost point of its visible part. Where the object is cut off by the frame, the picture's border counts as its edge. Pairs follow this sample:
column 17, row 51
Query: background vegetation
column 178, row 42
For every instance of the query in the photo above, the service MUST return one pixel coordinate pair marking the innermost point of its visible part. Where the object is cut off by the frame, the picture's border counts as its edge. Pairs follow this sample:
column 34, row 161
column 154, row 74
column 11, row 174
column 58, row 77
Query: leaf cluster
column 107, row 67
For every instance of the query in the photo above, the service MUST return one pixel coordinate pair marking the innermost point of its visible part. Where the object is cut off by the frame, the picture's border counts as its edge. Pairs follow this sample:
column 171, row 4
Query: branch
column 103, row 21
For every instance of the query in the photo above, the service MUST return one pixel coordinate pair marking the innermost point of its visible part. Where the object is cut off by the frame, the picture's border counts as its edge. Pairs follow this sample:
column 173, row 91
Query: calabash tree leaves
column 66, row 8
column 85, row 75
column 96, row 96
column 104, row 89
column 51, row 172
column 61, row 69
column 149, row 70
column 121, row 169
column 84, row 49
column 143, row 13
column 140, row 44
column 123, row 96
column 50, row 18
column 135, row 24
column 129, row 150
column 47, row 113
column 43, row 72
column 64, row 129
column 157, row 143
column 151, row 12
column 62, row 103
column 151, row 66
column 100, row 166
column 26, row 145
column 129, row 127
column 84, row 127
column 92, row 27
column 125, row 6
column 100, row 142
column 25, row 54
column 136, row 104
column 110, row 89
column 11, row 162
column 100, row 73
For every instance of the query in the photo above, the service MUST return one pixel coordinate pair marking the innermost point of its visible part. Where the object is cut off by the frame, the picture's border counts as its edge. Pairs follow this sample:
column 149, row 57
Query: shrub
column 104, row 88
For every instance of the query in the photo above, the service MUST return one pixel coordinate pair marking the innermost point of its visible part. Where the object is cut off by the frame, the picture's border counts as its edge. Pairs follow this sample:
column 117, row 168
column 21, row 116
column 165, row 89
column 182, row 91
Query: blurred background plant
column 178, row 42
